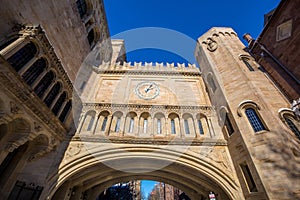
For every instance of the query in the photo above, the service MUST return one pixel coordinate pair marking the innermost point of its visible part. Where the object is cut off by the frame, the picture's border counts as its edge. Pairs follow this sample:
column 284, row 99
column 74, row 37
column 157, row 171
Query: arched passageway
column 90, row 172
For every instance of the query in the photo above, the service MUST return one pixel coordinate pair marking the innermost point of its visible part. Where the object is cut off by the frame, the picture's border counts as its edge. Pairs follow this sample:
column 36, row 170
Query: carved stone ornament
column 37, row 127
column 14, row 108
column 74, row 150
column 212, row 45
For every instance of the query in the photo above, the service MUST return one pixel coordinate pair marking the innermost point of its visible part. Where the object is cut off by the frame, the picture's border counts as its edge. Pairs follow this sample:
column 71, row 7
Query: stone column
column 48, row 89
column 191, row 127
column 178, row 127
column 108, row 123
column 205, row 126
column 150, row 126
column 94, row 123
column 122, row 126
column 197, row 131
column 113, row 124
column 136, row 126
column 28, row 65
column 39, row 78
column 99, row 122
column 14, row 47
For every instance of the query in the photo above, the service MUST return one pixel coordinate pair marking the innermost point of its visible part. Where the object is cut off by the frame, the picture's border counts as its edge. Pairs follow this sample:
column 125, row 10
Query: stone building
column 76, row 118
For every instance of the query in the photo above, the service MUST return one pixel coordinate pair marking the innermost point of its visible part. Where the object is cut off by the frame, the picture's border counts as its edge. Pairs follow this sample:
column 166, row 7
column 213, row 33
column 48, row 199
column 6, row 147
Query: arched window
column 44, row 84
column 292, row 126
column 173, row 128
column 186, row 127
column 65, row 111
column 131, row 125
column 158, row 126
column 91, row 36
column 82, row 7
column 52, row 94
column 201, row 131
column 104, row 123
column 34, row 71
column 59, row 103
column 246, row 62
column 89, row 128
column 21, row 57
column 118, row 123
column 254, row 120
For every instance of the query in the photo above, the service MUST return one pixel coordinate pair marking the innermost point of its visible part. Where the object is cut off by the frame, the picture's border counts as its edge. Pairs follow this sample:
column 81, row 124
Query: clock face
column 147, row 90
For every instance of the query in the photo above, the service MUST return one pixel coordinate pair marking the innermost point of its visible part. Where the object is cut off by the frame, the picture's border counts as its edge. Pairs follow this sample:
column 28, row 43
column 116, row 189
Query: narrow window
column 52, row 94
column 248, row 177
column 59, row 103
column 34, row 71
column 173, row 130
column 65, row 111
column 117, row 128
column 91, row 37
column 158, row 126
column 246, row 62
column 145, row 125
column 44, row 84
column 21, row 57
column 186, row 127
column 200, row 127
column 82, row 8
column 104, row 124
column 293, row 127
column 91, row 123
column 254, row 120
column 131, row 124
column 228, row 125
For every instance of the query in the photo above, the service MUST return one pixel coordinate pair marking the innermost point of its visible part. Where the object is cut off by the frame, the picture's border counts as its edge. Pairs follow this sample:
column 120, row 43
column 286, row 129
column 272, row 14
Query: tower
column 251, row 112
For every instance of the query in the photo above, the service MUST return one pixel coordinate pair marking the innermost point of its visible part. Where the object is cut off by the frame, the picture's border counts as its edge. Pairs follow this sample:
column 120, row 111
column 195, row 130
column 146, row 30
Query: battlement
column 147, row 67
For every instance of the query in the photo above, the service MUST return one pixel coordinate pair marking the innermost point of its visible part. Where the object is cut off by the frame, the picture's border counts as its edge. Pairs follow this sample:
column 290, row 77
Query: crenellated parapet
column 147, row 67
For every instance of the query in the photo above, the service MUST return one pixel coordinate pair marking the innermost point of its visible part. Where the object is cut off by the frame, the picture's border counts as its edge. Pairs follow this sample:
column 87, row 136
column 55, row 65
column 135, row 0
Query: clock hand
column 149, row 88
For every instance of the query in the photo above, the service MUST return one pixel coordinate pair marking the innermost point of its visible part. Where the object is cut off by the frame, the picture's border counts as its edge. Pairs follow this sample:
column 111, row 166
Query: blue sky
column 189, row 17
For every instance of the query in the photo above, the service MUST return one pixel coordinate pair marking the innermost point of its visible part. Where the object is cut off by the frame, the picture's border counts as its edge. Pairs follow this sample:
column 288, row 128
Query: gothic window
column 65, row 111
column 104, row 123
column 200, row 127
column 211, row 82
column 52, row 94
column 248, row 178
column 292, row 126
column 131, row 124
column 254, row 120
column 21, row 57
column 91, row 36
column 44, row 84
column 82, row 7
column 173, row 128
column 59, row 103
column 118, row 122
column 158, row 126
column 34, row 71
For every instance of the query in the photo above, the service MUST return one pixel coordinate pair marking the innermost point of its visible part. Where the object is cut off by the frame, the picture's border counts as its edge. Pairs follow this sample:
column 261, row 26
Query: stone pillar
column 99, row 122
column 113, row 124
column 56, row 98
column 150, row 126
column 136, row 126
column 94, row 123
column 14, row 47
column 39, row 78
column 108, row 123
column 177, row 127
column 122, row 126
column 197, row 131
column 48, row 89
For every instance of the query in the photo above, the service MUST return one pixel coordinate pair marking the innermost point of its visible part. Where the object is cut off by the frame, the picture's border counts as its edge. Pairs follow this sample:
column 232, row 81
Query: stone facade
column 72, row 127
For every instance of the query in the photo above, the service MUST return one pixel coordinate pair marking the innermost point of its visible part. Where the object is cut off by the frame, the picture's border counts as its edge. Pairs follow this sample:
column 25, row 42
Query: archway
column 86, row 171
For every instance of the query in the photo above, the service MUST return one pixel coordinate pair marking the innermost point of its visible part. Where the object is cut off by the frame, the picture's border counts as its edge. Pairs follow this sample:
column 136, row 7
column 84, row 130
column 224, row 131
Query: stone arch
column 89, row 119
column 103, row 122
column 35, row 70
column 290, row 120
column 196, row 176
column 38, row 146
